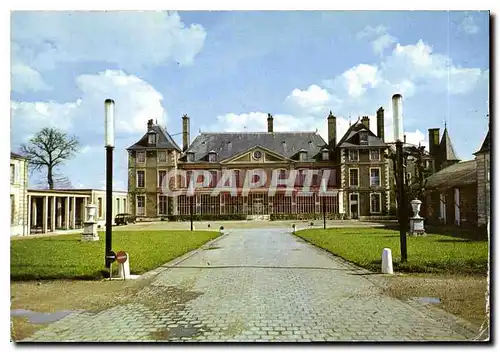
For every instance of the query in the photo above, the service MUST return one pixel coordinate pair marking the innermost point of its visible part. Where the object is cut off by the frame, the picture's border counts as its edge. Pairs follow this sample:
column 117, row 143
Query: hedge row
column 306, row 216
column 206, row 217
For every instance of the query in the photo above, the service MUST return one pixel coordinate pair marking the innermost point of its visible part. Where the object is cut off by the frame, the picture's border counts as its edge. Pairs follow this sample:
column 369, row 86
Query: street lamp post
column 397, row 110
column 323, row 193
column 109, row 123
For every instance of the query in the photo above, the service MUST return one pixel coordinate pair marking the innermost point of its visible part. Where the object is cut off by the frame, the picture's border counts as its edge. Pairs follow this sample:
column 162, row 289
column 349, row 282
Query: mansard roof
column 351, row 138
column 229, row 144
column 164, row 140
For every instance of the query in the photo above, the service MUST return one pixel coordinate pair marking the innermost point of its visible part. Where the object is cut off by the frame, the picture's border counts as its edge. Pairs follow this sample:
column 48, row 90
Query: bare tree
column 49, row 148
column 60, row 182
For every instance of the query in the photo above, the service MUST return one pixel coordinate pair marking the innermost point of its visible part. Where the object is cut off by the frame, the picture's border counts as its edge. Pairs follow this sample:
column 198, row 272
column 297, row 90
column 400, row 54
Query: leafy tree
column 49, row 148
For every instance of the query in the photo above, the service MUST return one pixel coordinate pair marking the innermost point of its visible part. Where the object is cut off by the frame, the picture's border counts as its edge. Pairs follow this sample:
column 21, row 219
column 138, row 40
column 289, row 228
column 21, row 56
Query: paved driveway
column 258, row 285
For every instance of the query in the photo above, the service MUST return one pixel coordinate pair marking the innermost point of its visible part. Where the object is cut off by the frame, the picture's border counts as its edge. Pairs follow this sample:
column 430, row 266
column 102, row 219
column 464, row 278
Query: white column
column 53, row 219
column 457, row 206
column 28, row 225
column 59, row 212
column 340, row 197
column 442, row 207
column 34, row 212
column 45, row 213
column 73, row 212
column 66, row 213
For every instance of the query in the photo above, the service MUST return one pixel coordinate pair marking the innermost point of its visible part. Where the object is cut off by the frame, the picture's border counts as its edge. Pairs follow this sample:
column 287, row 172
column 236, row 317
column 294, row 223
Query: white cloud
column 311, row 101
column 380, row 39
column 25, row 79
column 361, row 90
column 468, row 25
column 41, row 40
column 434, row 72
column 383, row 42
column 370, row 31
column 153, row 36
column 355, row 81
column 136, row 102
column 257, row 122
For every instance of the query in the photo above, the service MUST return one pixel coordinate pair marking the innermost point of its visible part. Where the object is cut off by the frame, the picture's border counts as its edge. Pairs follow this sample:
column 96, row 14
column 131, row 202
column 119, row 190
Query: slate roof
column 229, row 144
column 351, row 138
column 485, row 147
column 456, row 175
column 164, row 140
column 446, row 148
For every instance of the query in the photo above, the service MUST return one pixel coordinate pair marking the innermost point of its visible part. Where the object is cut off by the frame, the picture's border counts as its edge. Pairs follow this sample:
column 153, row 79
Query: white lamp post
column 397, row 113
column 109, row 142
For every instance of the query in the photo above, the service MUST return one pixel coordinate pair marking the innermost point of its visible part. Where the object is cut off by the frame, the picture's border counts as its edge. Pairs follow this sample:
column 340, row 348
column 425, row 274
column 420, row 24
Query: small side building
column 451, row 195
column 65, row 209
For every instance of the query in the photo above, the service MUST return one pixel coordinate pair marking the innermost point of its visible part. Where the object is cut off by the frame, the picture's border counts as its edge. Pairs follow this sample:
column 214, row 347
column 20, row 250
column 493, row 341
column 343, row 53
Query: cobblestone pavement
column 259, row 285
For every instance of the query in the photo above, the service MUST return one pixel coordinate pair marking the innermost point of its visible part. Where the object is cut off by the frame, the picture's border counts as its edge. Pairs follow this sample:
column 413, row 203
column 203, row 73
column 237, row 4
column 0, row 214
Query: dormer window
column 302, row 155
column 211, row 156
column 363, row 137
column 151, row 137
column 190, row 157
column 325, row 155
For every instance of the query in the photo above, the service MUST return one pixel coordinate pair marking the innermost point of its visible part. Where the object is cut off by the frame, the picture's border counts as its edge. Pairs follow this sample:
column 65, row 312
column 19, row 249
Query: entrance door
column 354, row 205
column 258, row 207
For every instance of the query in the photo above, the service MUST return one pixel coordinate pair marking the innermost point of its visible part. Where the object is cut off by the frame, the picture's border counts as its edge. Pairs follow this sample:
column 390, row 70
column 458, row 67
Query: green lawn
column 66, row 257
column 426, row 254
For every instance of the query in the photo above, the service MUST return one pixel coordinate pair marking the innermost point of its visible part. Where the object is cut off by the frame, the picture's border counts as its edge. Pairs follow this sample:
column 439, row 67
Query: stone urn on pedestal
column 90, row 225
column 416, row 221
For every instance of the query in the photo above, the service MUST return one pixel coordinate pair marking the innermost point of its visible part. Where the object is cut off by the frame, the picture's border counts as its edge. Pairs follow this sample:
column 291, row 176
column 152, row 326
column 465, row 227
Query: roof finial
column 349, row 120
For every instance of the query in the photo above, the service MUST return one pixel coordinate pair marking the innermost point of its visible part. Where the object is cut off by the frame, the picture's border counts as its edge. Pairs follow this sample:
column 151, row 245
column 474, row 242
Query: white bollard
column 387, row 261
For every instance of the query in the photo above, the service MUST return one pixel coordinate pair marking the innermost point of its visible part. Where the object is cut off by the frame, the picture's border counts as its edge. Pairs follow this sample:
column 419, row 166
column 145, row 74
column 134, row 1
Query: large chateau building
column 261, row 174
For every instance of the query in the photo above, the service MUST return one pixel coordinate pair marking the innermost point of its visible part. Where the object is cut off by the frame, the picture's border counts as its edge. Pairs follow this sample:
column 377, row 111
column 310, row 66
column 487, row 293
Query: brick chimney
column 185, row 132
column 150, row 125
column 332, row 130
column 270, row 123
column 366, row 121
column 433, row 141
column 380, row 123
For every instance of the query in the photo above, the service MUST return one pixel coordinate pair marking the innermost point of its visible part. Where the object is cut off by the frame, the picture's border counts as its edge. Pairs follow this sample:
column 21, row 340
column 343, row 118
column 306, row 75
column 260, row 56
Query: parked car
column 124, row 218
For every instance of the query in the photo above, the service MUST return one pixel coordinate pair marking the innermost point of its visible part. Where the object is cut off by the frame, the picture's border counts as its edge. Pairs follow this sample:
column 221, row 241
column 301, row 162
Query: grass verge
column 426, row 254
column 66, row 257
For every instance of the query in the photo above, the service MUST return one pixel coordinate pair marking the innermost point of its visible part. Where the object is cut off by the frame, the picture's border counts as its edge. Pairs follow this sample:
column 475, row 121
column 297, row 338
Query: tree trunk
column 50, row 179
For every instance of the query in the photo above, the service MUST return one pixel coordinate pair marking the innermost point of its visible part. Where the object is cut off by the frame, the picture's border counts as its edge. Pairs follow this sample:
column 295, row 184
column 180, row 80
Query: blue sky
column 227, row 70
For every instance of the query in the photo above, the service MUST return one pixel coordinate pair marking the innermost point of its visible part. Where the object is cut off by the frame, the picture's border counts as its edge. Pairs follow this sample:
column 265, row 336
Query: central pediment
column 257, row 155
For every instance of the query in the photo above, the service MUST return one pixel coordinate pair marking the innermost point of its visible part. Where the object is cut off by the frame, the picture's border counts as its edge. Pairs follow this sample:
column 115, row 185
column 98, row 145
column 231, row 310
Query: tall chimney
column 397, row 113
column 332, row 130
column 185, row 132
column 433, row 141
column 269, row 123
column 150, row 124
column 380, row 123
column 366, row 121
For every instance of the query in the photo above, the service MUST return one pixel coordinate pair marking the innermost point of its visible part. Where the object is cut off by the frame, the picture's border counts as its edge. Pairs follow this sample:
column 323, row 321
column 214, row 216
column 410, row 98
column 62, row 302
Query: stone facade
column 483, row 166
column 289, row 154
column 18, row 195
